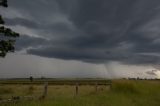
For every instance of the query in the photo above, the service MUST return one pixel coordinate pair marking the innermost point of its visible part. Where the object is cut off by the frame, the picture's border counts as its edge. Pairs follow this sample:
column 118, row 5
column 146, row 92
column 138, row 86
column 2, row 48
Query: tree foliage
column 7, row 36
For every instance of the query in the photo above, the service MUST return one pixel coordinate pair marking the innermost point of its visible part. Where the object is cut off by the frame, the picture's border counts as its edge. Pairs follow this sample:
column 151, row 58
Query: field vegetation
column 122, row 93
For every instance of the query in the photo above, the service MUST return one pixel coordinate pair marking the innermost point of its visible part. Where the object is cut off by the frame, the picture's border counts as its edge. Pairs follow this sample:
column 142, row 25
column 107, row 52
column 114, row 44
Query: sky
column 83, row 38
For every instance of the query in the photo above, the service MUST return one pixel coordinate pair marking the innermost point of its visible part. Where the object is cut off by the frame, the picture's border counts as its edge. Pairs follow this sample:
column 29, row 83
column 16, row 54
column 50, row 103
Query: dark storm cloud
column 28, row 41
column 92, row 31
column 21, row 21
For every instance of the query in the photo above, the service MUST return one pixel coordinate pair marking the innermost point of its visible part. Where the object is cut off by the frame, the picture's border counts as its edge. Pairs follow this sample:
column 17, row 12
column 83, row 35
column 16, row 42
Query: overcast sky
column 83, row 38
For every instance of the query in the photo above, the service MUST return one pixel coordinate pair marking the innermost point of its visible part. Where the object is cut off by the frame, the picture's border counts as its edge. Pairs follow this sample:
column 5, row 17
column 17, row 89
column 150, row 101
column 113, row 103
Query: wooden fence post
column 111, row 86
column 44, row 91
column 96, row 86
column 77, row 88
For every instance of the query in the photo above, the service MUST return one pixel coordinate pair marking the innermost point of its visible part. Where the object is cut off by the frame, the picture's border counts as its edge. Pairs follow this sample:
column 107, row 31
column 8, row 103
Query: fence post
column 44, row 91
column 96, row 86
column 110, row 83
column 77, row 88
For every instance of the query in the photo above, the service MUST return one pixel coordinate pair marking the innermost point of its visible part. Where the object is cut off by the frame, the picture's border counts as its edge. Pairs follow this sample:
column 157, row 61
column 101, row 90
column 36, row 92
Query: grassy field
column 122, row 93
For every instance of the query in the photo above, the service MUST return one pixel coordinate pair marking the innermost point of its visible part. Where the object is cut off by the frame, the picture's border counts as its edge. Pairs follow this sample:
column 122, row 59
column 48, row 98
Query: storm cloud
column 95, row 31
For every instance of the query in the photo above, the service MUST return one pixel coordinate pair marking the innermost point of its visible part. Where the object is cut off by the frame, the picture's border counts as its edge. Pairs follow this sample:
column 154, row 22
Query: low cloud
column 154, row 73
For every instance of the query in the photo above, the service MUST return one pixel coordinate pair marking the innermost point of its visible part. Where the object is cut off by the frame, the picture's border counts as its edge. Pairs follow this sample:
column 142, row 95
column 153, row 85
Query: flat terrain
column 122, row 93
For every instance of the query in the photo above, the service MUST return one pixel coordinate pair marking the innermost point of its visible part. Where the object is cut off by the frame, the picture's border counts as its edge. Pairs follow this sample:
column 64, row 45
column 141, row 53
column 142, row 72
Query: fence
column 76, row 83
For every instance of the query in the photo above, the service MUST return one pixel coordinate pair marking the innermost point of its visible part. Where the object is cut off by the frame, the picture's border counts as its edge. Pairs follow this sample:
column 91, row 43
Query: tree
column 31, row 78
column 7, row 36
column 3, row 3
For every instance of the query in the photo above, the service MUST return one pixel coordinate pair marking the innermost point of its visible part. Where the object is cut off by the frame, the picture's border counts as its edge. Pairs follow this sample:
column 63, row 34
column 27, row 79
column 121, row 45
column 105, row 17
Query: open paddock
column 122, row 93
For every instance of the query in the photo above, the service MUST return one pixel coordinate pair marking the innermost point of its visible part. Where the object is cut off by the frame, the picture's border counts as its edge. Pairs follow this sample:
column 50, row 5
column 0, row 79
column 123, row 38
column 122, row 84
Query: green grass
column 123, row 93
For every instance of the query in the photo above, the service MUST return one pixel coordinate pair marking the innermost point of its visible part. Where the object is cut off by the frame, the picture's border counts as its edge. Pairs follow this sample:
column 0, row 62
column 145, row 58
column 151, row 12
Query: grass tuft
column 125, row 87
column 4, row 90
column 30, row 90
